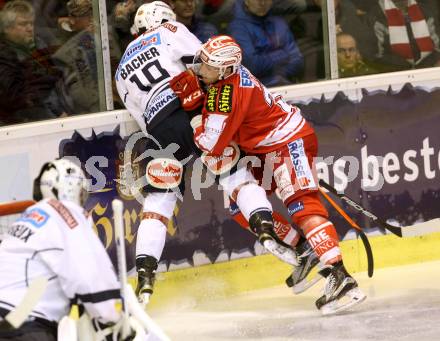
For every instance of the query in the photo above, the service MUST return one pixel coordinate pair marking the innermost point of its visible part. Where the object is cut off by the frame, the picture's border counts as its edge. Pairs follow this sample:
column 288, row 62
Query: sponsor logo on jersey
column 245, row 79
column 295, row 207
column 158, row 103
column 64, row 212
column 225, row 99
column 304, row 176
column 170, row 26
column 281, row 229
column 164, row 173
column 35, row 216
column 283, row 180
column 136, row 50
column 211, row 99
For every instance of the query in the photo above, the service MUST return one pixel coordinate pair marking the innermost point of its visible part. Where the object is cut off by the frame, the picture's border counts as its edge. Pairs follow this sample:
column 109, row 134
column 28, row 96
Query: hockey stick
column 393, row 229
column 14, row 207
column 353, row 224
column 33, row 294
column 118, row 207
column 154, row 331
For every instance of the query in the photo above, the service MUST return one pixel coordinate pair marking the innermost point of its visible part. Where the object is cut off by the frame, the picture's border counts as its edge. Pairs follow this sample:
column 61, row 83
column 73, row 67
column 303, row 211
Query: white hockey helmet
column 152, row 15
column 62, row 180
column 221, row 52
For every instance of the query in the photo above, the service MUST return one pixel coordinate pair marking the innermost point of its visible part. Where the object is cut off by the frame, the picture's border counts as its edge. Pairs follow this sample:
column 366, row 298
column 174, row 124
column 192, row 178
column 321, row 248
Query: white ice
column 403, row 303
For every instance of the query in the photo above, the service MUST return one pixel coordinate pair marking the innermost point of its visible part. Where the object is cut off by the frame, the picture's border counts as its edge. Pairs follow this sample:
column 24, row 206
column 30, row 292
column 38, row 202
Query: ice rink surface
column 403, row 303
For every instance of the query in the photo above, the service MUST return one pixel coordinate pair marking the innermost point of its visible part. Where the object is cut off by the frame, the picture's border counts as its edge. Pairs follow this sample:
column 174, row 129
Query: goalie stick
column 118, row 207
column 383, row 224
column 130, row 303
column 365, row 241
column 33, row 294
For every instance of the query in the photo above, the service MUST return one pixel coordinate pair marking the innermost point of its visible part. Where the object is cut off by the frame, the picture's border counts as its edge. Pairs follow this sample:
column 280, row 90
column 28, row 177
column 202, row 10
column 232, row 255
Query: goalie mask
column 221, row 52
column 61, row 180
column 152, row 15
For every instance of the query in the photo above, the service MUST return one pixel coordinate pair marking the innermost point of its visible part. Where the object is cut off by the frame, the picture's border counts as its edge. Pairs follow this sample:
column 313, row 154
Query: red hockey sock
column 325, row 242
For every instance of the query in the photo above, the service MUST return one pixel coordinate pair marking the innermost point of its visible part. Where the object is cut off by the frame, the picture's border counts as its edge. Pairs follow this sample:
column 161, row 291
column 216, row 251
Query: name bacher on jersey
column 138, row 58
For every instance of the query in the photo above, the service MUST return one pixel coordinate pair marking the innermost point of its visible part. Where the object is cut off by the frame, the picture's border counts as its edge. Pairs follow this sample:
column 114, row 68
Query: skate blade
column 306, row 283
column 144, row 299
column 350, row 299
column 283, row 253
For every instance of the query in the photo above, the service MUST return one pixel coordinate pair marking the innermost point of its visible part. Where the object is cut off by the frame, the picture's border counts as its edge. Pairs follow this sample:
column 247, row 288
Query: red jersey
column 241, row 109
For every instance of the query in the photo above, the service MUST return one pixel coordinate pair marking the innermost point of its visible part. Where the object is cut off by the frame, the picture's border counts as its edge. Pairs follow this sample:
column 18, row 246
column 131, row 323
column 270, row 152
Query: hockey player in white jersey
column 163, row 49
column 54, row 240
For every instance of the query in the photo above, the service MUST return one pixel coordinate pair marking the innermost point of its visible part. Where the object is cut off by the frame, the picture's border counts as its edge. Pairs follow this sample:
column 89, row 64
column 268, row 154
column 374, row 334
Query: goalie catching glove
column 187, row 87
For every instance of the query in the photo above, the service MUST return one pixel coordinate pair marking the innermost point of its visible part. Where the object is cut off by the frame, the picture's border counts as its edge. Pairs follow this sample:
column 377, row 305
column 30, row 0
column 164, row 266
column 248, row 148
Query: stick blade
column 369, row 252
column 27, row 304
column 393, row 229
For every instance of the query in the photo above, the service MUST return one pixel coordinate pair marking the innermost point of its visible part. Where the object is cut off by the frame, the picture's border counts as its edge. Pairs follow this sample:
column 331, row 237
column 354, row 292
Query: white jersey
column 148, row 64
column 55, row 240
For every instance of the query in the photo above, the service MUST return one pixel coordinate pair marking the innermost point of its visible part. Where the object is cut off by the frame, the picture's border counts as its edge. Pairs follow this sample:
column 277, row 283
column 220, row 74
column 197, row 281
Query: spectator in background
column 77, row 58
column 30, row 85
column 122, row 20
column 185, row 12
column 353, row 21
column 350, row 61
column 413, row 41
column 280, row 7
column 269, row 48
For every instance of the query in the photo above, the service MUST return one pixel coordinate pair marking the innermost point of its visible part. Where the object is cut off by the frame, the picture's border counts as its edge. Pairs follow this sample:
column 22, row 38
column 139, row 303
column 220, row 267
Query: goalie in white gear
column 55, row 240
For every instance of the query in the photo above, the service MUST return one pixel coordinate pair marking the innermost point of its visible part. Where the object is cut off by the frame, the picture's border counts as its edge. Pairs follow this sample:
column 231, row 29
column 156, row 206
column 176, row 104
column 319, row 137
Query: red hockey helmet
column 221, row 52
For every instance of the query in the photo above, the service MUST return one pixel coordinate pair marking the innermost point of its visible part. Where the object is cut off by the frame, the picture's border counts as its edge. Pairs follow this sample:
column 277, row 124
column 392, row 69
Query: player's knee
column 164, row 173
column 308, row 222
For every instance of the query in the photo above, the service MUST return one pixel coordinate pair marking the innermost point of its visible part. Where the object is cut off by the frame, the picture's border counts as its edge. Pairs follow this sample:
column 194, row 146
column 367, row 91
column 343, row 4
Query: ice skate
column 300, row 280
column 341, row 291
column 146, row 267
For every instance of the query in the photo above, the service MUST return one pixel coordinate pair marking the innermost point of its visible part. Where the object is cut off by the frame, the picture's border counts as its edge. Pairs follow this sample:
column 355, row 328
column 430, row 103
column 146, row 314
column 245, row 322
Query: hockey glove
column 186, row 86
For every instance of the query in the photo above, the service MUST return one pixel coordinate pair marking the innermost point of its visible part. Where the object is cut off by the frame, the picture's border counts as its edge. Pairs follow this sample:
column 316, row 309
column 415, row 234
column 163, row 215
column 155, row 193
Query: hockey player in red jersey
column 163, row 49
column 237, row 107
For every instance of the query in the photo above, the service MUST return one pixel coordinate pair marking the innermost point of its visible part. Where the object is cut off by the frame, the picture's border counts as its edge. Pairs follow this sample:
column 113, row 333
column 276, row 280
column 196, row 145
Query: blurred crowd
column 50, row 50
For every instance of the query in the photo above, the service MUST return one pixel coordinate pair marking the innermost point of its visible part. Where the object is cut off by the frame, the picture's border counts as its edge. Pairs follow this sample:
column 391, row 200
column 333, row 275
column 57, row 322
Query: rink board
column 368, row 119
column 195, row 285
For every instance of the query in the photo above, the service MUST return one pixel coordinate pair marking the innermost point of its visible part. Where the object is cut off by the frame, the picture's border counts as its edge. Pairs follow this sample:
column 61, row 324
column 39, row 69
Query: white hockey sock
column 152, row 233
column 151, row 238
column 252, row 197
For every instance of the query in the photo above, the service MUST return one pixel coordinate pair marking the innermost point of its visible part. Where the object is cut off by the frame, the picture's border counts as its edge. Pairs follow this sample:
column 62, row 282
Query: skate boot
column 307, row 260
column 341, row 291
column 261, row 223
column 146, row 267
